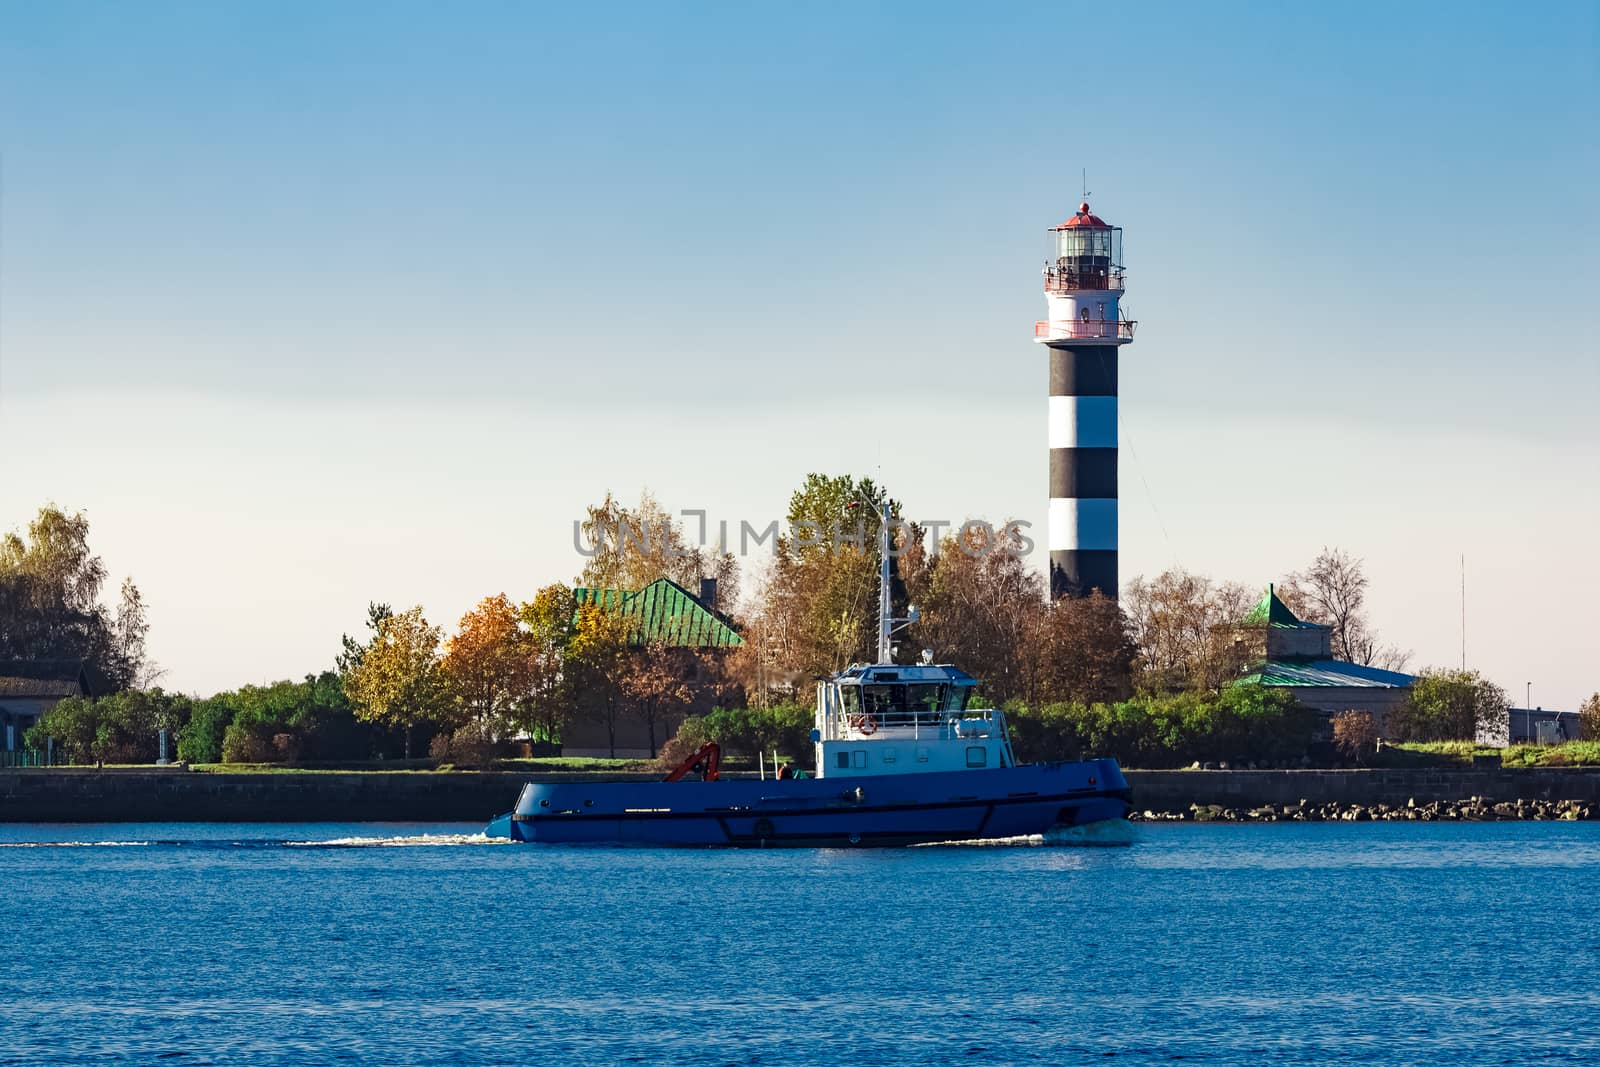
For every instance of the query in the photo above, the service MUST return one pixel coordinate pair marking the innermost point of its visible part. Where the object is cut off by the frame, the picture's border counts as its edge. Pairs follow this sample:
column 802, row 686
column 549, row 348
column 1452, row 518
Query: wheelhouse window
column 882, row 700
column 925, row 700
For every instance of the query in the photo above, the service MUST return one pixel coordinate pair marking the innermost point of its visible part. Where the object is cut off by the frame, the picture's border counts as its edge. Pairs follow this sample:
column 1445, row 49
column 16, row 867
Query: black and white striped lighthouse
column 1083, row 284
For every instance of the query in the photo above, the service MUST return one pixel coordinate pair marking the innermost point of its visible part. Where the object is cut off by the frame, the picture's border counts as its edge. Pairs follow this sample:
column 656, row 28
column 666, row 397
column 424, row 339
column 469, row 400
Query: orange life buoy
column 868, row 725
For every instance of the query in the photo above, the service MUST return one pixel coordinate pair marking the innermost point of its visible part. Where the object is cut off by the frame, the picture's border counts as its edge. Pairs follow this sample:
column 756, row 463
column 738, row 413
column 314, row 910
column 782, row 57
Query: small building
column 663, row 612
column 1534, row 726
column 1299, row 658
column 27, row 691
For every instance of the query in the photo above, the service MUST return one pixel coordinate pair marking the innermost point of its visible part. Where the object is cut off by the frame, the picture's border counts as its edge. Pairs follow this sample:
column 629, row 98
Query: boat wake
column 219, row 844
column 1111, row 833
column 404, row 841
column 77, row 844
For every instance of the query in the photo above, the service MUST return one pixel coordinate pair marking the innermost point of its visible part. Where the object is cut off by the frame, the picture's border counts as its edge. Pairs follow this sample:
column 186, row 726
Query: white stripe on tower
column 1088, row 525
column 1083, row 422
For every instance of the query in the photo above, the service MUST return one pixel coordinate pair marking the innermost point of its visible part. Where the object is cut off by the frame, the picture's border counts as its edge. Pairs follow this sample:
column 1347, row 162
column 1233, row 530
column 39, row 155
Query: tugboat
column 901, row 759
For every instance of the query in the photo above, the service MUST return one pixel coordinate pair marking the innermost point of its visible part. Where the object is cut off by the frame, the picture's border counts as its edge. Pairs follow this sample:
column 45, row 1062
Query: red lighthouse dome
column 1084, row 219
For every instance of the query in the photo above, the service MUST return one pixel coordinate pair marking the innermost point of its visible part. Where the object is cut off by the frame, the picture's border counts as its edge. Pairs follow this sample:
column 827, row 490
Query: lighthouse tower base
column 1083, row 469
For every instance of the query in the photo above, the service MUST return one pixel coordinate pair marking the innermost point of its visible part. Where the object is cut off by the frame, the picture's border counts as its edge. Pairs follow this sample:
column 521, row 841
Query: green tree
column 819, row 605
column 50, row 583
column 399, row 681
column 200, row 740
column 288, row 721
column 547, row 620
column 354, row 648
column 72, row 725
column 1240, row 723
column 1448, row 705
column 119, row 728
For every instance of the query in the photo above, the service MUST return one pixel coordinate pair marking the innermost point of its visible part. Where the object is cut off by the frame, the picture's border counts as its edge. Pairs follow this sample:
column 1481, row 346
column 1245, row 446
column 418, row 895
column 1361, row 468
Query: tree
column 655, row 681
column 1589, row 718
column 399, row 680
column 355, row 649
column 200, row 741
column 284, row 722
column 1080, row 650
column 1333, row 592
column 1355, row 734
column 819, row 603
column 548, row 703
column 595, row 659
column 50, row 608
column 1185, row 627
column 487, row 663
column 629, row 548
column 980, row 606
column 1448, row 705
column 130, row 631
column 119, row 728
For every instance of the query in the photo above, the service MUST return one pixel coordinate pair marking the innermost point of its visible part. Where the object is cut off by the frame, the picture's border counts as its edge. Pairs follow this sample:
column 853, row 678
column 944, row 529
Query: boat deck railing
column 932, row 725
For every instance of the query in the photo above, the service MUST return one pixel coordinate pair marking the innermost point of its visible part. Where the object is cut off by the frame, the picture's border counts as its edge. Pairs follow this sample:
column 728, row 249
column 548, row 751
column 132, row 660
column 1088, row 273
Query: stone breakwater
column 1472, row 809
column 172, row 795
column 1174, row 793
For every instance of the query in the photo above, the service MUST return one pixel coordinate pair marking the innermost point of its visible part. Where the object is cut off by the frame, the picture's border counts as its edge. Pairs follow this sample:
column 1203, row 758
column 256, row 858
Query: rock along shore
column 172, row 795
column 1472, row 809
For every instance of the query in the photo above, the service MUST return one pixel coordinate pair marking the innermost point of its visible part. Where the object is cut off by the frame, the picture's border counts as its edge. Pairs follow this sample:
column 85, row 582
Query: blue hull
column 893, row 809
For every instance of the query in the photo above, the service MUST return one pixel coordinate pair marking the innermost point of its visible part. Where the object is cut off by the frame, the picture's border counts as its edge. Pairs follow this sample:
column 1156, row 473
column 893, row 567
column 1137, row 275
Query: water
column 397, row 944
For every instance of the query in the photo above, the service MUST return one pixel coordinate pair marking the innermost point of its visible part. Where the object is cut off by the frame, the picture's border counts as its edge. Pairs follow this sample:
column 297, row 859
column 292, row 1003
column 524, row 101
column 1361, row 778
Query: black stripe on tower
column 1083, row 473
column 1080, row 571
column 1087, row 371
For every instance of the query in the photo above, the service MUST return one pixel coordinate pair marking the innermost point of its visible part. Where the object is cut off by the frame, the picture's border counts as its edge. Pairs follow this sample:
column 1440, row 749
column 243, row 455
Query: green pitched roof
column 1273, row 612
column 664, row 611
column 1326, row 673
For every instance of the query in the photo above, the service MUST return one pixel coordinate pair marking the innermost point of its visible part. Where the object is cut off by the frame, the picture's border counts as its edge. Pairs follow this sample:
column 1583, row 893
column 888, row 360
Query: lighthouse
column 1083, row 285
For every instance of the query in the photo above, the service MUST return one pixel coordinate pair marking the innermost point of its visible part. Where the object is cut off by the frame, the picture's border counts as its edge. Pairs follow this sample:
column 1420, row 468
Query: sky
column 309, row 305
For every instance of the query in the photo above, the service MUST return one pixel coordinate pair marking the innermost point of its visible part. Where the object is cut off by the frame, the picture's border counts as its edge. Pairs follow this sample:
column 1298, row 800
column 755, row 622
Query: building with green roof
column 1299, row 658
column 665, row 611
column 662, row 612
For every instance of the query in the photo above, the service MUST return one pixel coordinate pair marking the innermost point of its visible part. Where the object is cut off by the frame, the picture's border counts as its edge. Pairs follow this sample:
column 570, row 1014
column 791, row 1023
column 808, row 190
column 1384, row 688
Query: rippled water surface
column 398, row 944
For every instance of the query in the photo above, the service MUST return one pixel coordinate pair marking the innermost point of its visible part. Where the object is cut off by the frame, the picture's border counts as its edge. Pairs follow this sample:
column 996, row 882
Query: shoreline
column 83, row 795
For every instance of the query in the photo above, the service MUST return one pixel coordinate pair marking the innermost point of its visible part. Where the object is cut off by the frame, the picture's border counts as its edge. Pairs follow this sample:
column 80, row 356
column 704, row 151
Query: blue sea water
column 400, row 944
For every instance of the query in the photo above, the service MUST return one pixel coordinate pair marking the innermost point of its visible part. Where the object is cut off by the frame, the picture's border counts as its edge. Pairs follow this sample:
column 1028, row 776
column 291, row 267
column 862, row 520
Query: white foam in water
column 1107, row 833
column 402, row 841
column 75, row 844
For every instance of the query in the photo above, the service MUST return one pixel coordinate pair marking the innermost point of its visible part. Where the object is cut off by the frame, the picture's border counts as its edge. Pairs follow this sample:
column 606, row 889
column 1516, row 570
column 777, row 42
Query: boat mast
column 885, row 621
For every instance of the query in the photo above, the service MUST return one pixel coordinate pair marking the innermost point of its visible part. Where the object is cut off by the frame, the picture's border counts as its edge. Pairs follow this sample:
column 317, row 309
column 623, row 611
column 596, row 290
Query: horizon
column 307, row 308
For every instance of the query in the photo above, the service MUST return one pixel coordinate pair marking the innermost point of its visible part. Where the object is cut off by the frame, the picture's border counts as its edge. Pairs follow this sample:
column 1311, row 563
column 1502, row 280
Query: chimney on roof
column 708, row 593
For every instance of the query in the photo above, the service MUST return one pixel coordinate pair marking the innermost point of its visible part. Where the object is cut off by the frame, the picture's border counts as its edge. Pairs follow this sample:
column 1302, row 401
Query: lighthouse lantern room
column 1083, row 287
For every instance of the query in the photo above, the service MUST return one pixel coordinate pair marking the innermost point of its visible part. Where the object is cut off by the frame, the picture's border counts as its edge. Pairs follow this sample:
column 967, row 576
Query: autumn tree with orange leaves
column 487, row 664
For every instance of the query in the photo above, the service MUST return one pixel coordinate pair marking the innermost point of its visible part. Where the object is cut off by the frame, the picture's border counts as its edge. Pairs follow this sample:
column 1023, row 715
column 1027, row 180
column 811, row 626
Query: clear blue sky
column 311, row 304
